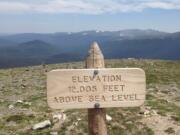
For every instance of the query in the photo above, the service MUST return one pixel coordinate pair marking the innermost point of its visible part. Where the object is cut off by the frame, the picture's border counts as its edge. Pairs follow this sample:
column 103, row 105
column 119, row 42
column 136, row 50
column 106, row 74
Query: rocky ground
column 24, row 110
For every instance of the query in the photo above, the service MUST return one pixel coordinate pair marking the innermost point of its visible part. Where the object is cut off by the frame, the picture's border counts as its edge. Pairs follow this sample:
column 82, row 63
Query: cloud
column 86, row 6
column 13, row 7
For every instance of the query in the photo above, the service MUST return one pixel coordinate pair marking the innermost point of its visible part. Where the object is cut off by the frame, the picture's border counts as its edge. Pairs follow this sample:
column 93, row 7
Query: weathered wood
column 95, row 58
column 82, row 88
column 96, row 88
column 97, row 116
column 97, row 121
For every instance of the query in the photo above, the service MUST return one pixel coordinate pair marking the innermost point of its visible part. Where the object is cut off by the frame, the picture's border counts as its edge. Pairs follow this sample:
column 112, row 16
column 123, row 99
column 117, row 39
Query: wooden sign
column 95, row 88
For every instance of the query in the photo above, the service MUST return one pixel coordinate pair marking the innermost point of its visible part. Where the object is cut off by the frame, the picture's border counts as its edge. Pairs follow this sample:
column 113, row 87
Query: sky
column 49, row 16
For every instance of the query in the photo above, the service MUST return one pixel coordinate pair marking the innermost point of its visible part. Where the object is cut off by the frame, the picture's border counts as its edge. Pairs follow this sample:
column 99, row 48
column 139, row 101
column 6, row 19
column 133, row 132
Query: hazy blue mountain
column 28, row 53
column 5, row 42
column 57, row 38
column 163, row 48
column 175, row 35
column 36, row 48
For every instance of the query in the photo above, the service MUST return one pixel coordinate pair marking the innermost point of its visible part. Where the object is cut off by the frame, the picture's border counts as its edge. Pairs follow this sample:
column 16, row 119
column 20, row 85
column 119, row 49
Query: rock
column 27, row 103
column 22, row 102
column 142, row 110
column 108, row 118
column 53, row 133
column 59, row 117
column 58, row 120
column 154, row 113
column 76, row 123
column 150, row 89
column 42, row 125
column 129, row 122
column 23, row 86
column 79, row 119
column 131, row 59
column 146, row 112
column 11, row 106
column 19, row 101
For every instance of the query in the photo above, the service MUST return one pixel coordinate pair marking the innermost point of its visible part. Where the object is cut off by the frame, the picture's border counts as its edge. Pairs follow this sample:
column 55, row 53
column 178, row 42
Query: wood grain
column 118, row 87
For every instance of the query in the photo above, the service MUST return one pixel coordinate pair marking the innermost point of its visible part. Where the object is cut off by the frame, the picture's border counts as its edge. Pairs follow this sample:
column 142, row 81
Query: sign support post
column 97, row 115
column 96, row 88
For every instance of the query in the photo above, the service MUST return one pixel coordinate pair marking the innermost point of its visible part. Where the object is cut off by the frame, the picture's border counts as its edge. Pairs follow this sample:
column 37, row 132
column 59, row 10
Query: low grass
column 29, row 83
column 164, row 107
column 19, row 118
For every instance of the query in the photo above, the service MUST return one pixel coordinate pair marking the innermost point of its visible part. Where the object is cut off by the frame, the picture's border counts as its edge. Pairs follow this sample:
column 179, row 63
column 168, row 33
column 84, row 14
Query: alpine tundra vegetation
column 24, row 109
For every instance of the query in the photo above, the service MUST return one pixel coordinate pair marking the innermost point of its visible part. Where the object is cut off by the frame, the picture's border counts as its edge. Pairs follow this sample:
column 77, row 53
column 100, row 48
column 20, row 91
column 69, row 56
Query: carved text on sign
column 82, row 88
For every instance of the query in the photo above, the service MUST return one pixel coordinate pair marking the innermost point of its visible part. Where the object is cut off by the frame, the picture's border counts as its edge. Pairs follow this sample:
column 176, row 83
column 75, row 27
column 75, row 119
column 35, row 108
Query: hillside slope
column 23, row 102
column 33, row 48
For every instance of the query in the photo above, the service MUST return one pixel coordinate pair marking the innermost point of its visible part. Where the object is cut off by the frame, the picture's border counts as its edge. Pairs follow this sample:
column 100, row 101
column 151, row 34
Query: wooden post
column 96, row 116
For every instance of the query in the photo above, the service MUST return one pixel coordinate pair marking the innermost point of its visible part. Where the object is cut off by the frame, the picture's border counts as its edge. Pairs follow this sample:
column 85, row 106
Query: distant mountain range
column 36, row 48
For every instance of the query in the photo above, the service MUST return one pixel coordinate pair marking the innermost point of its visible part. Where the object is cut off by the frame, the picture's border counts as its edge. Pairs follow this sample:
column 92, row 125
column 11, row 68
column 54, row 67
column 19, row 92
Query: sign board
column 90, row 88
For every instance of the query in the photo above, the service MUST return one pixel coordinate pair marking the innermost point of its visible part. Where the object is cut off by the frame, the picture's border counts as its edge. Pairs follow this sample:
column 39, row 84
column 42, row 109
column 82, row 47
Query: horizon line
column 96, row 30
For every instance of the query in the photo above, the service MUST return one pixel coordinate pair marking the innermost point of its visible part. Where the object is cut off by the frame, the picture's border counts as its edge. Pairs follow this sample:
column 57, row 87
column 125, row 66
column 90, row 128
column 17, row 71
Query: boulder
column 42, row 125
column 59, row 117
column 27, row 103
column 19, row 101
column 11, row 106
column 108, row 118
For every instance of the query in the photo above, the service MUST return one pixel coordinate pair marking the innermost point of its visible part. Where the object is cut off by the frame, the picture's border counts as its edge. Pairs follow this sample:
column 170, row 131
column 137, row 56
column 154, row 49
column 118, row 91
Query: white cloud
column 13, row 7
column 86, row 6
